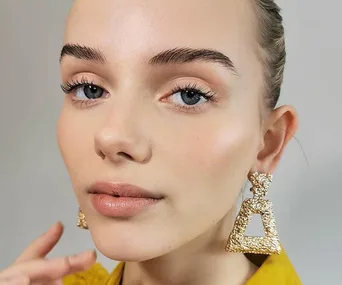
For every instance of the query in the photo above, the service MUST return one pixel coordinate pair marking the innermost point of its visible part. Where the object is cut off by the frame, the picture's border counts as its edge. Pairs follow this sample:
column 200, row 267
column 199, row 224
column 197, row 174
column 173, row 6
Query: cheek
column 211, row 166
column 75, row 139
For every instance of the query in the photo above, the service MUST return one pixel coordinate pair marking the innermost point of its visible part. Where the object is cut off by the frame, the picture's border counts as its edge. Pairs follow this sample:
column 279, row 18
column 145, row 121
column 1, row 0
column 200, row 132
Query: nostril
column 125, row 155
column 101, row 154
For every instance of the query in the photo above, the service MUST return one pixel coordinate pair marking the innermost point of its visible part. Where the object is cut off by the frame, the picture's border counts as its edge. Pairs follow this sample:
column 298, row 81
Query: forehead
column 125, row 28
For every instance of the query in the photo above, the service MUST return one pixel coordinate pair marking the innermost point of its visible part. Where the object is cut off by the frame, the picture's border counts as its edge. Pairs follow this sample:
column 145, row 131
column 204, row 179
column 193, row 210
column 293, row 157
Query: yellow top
column 275, row 269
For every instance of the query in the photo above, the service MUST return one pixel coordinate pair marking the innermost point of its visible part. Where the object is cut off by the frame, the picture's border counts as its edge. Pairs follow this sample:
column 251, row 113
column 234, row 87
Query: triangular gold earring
column 237, row 241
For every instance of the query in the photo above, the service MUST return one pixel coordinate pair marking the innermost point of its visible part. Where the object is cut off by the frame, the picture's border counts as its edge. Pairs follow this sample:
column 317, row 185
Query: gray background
column 35, row 188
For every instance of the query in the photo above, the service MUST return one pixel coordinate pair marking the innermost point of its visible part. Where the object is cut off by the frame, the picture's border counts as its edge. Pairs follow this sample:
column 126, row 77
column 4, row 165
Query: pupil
column 92, row 91
column 190, row 97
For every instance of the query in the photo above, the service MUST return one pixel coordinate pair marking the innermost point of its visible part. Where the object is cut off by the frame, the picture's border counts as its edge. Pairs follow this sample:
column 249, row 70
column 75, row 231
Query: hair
column 272, row 48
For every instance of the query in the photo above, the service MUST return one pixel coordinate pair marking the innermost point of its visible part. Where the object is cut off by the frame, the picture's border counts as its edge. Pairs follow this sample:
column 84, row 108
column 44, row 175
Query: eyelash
column 208, row 95
column 70, row 86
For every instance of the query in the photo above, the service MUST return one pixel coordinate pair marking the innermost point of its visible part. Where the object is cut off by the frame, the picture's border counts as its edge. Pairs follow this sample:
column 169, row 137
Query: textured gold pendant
column 269, row 244
column 81, row 221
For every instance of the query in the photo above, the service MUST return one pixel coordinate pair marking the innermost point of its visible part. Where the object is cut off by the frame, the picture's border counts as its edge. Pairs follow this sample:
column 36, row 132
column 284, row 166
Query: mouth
column 121, row 199
column 122, row 190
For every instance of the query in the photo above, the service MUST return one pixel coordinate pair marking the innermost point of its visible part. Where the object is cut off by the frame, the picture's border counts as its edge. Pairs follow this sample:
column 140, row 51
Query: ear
column 279, row 128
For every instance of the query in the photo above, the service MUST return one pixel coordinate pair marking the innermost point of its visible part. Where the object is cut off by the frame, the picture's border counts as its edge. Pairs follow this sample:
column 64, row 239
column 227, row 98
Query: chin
column 126, row 255
column 130, row 243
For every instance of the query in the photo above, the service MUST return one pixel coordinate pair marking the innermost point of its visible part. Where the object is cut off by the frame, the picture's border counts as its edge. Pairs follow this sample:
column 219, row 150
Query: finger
column 48, row 270
column 56, row 282
column 42, row 245
column 15, row 280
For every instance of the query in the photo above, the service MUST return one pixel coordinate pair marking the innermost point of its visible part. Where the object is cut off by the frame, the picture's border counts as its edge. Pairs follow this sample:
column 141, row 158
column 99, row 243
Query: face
column 185, row 128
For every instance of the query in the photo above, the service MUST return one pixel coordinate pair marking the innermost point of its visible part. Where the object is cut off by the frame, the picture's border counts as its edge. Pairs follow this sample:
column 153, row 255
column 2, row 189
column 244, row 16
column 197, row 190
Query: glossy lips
column 121, row 199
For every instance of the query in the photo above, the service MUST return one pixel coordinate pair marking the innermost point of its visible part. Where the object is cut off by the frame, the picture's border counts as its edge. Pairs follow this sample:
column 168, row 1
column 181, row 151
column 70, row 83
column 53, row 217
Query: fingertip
column 92, row 256
column 91, row 259
column 55, row 232
column 59, row 225
column 87, row 255
column 83, row 260
column 94, row 253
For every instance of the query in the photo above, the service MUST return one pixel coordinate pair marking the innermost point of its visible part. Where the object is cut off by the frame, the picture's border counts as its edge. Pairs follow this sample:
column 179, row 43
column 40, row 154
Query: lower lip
column 121, row 207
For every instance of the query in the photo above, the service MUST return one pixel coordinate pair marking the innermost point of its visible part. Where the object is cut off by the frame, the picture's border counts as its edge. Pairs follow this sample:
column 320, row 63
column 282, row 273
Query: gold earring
column 237, row 241
column 81, row 221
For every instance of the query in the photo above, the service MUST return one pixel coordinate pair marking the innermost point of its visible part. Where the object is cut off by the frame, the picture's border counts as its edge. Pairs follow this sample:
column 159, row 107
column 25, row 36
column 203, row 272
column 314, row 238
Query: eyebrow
column 185, row 55
column 170, row 56
column 82, row 52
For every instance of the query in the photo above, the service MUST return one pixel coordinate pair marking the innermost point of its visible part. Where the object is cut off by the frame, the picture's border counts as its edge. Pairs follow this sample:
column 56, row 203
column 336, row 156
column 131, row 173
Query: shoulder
column 97, row 274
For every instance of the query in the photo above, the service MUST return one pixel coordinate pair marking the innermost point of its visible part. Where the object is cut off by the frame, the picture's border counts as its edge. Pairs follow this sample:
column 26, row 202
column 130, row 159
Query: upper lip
column 122, row 190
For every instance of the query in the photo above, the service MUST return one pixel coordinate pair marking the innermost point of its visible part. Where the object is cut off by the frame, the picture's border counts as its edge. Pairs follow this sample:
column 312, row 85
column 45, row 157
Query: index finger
column 42, row 245
column 41, row 270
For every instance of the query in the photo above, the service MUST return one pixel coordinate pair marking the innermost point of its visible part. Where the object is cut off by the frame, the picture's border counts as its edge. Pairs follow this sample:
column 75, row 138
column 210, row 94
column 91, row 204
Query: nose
column 120, row 139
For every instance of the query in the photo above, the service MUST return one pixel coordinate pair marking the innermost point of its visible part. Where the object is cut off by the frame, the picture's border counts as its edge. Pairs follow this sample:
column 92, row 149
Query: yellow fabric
column 96, row 275
column 275, row 270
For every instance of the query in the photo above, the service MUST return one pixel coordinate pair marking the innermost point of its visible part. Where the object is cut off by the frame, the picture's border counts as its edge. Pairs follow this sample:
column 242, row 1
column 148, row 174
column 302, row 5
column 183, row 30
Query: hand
column 32, row 268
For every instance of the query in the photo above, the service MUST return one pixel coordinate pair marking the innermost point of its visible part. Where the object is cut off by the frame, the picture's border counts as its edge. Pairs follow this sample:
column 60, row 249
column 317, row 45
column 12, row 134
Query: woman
column 169, row 107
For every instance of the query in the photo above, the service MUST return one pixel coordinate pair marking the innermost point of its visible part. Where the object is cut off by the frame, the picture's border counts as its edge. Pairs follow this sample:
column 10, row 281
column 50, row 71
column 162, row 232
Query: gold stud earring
column 81, row 221
column 237, row 241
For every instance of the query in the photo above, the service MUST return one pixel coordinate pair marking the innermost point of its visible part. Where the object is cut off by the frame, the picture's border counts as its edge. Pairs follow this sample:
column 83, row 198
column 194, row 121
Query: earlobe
column 280, row 127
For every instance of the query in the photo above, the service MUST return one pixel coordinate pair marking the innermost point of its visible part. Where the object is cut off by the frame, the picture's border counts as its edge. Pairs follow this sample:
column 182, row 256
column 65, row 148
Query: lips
column 121, row 199
column 122, row 190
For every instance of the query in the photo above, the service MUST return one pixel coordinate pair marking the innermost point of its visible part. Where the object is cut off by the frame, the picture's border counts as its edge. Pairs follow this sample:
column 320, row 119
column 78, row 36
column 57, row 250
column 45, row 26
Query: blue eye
column 189, row 97
column 89, row 91
column 83, row 90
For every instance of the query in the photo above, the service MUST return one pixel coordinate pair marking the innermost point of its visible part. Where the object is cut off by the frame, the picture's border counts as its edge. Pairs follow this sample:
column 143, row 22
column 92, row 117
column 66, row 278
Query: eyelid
column 186, row 82
column 82, row 79
column 205, row 93
column 210, row 94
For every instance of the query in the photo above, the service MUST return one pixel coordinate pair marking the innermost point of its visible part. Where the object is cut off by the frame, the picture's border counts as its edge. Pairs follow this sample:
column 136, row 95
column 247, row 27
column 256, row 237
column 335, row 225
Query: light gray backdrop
column 35, row 188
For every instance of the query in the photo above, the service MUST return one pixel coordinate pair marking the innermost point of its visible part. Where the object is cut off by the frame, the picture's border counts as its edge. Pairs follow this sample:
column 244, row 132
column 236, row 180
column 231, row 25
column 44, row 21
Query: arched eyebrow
column 185, row 55
column 82, row 52
column 170, row 56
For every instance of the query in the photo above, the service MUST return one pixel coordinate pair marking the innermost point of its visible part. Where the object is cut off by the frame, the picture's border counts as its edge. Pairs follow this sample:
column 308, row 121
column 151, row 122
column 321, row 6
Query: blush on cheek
column 225, row 149
column 222, row 160
column 76, row 149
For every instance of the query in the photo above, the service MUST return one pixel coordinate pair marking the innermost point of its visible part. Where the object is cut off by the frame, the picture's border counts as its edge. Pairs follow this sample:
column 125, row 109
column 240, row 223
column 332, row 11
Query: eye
column 188, row 97
column 89, row 91
column 83, row 89
column 84, row 93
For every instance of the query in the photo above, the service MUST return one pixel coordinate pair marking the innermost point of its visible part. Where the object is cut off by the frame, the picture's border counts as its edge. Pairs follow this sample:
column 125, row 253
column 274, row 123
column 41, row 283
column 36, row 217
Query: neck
column 203, row 261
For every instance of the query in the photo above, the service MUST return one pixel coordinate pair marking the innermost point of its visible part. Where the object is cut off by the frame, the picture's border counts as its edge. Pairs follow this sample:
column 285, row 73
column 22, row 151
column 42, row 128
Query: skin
column 33, row 268
column 197, row 160
column 138, row 133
